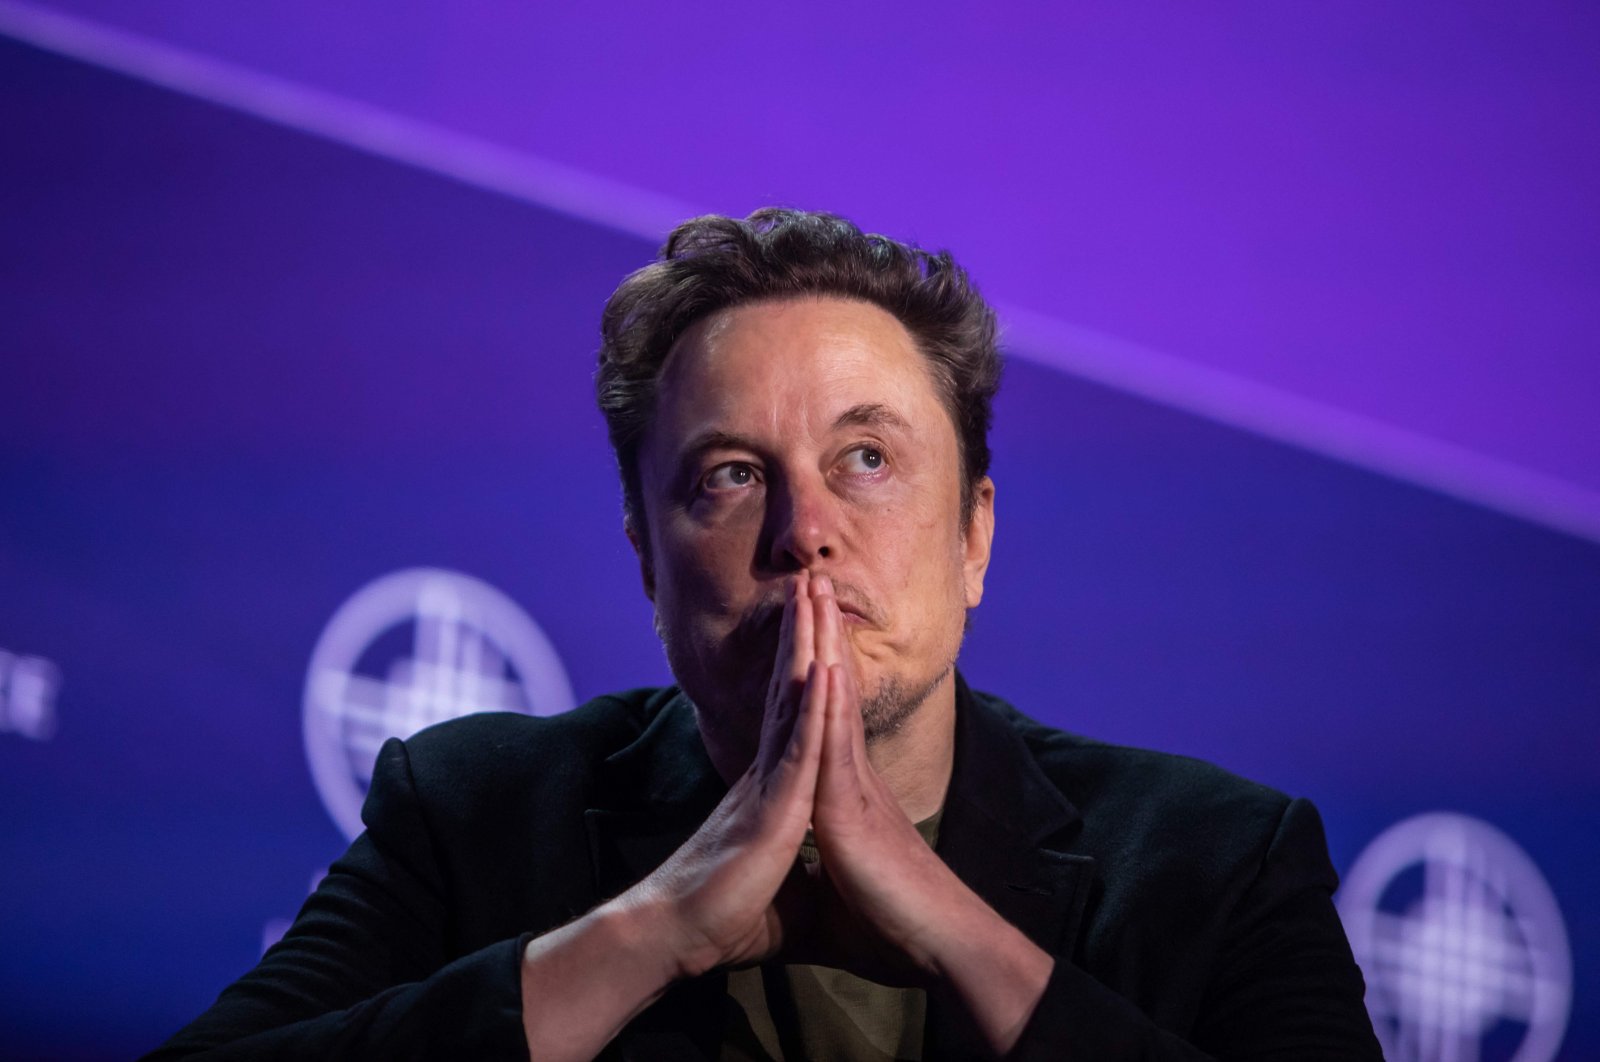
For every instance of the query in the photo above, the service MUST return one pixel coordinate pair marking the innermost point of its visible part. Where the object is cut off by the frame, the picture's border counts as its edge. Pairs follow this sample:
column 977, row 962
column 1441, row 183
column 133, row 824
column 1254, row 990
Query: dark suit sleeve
column 367, row 971
column 1283, row 984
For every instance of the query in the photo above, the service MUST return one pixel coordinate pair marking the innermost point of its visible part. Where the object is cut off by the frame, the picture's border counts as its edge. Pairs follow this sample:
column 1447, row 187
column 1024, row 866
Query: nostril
column 822, row 551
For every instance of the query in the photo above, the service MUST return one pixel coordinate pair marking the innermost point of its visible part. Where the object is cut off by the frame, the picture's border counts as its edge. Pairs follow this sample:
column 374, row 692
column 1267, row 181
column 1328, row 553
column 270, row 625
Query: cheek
column 709, row 562
column 925, row 558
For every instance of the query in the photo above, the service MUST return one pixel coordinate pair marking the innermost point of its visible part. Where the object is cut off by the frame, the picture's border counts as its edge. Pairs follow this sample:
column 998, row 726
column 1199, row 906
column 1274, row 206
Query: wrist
column 647, row 921
column 583, row 982
column 995, row 973
column 641, row 928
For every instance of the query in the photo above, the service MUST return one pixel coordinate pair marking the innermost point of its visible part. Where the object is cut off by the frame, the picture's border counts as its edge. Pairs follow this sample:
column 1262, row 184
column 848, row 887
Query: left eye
column 864, row 459
column 731, row 476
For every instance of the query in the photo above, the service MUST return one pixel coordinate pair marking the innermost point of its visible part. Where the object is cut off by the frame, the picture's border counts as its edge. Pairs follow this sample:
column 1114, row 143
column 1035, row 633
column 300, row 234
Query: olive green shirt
column 781, row 1011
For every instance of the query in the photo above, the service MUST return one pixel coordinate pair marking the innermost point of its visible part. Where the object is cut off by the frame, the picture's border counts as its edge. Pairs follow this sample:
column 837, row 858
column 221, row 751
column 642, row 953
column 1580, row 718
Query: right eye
column 735, row 475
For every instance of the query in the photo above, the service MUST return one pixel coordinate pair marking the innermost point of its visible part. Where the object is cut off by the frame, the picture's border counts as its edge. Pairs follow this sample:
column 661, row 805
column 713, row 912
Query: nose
column 801, row 524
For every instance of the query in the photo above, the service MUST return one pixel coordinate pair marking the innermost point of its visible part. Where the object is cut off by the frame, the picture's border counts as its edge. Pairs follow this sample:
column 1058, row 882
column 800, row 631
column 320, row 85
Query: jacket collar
column 1006, row 826
column 1004, row 832
column 665, row 771
column 653, row 794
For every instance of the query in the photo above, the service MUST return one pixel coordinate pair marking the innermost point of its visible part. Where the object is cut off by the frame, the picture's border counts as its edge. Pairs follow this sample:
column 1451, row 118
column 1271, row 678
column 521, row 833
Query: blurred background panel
column 1297, row 463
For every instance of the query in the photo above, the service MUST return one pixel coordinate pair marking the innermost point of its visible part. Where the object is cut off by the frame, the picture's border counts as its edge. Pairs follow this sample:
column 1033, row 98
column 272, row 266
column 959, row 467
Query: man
column 821, row 843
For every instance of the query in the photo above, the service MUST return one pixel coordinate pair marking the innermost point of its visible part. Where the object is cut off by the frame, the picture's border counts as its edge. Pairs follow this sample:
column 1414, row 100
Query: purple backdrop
column 1380, row 217
column 248, row 371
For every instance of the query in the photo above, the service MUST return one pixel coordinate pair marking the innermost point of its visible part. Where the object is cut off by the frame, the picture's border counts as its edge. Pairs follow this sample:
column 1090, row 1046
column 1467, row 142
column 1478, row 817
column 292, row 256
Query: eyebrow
column 870, row 415
column 689, row 457
column 716, row 440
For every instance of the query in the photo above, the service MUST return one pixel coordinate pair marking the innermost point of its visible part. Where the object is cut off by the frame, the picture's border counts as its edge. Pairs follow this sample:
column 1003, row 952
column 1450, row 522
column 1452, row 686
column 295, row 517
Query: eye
column 864, row 460
column 735, row 475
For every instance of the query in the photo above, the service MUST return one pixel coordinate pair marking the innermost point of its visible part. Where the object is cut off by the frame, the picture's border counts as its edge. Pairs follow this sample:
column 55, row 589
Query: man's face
column 806, row 433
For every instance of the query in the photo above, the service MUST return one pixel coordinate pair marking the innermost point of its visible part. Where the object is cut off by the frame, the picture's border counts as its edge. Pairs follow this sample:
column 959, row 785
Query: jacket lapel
column 1005, row 831
column 654, row 794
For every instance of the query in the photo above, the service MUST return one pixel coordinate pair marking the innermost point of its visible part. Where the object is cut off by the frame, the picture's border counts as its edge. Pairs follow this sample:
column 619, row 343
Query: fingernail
column 824, row 585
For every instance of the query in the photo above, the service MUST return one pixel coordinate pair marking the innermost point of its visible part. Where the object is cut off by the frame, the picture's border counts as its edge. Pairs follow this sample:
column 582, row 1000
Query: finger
column 785, row 642
column 794, row 774
column 852, row 721
column 829, row 622
column 811, row 725
column 790, row 666
column 777, row 716
column 802, row 650
column 846, row 741
column 837, row 778
column 794, row 597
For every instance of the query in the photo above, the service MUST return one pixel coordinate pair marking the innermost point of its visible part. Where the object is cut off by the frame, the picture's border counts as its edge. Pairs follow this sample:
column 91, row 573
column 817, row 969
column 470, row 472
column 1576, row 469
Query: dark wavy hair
column 713, row 262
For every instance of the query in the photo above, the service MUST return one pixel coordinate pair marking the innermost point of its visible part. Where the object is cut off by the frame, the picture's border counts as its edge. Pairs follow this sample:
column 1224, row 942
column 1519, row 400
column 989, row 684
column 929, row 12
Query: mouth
column 852, row 608
column 757, row 631
column 853, row 616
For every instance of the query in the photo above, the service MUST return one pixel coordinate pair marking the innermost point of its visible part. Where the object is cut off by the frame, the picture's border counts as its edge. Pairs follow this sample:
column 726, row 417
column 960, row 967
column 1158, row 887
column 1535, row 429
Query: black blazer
column 1189, row 910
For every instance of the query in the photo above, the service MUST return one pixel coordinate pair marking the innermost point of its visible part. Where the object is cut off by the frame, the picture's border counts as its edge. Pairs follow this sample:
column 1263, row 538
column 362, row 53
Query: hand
column 880, row 895
column 881, row 903
column 711, row 903
column 923, row 925
column 717, row 890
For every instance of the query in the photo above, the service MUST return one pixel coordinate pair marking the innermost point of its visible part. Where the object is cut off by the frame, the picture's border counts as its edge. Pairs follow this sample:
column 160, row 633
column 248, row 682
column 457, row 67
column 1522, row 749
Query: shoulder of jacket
column 513, row 749
column 1101, row 775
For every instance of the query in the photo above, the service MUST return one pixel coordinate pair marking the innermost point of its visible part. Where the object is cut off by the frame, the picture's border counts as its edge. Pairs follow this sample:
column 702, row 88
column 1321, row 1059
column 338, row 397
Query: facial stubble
column 884, row 711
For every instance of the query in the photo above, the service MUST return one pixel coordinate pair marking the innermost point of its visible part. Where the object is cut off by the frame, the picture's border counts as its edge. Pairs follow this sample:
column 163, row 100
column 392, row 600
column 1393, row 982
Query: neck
column 915, row 759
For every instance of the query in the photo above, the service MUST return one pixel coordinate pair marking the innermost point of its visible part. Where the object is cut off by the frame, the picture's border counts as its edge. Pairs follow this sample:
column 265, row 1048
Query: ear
column 977, row 540
column 641, row 549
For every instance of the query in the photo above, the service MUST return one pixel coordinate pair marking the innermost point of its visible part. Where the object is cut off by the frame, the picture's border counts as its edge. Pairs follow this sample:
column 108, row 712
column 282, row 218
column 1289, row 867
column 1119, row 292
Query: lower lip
column 851, row 617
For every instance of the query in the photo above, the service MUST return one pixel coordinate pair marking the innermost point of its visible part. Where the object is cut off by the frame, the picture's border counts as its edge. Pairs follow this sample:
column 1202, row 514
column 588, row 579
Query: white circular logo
column 1462, row 944
column 408, row 650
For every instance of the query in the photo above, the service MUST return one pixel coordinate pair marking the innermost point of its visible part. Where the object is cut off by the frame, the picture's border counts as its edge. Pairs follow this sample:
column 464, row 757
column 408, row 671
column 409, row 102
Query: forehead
column 793, row 365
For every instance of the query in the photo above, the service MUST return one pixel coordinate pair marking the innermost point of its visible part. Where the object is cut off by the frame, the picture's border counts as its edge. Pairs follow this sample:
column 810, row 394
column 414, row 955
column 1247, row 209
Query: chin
column 887, row 710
